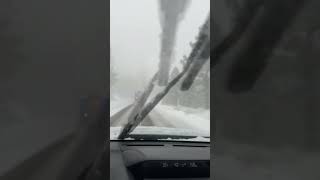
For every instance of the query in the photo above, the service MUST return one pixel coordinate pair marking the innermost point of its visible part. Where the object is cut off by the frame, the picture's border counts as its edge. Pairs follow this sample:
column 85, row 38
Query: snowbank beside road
column 195, row 119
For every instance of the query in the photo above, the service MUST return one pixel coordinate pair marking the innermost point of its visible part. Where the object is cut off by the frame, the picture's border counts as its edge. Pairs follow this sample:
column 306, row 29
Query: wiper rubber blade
column 201, row 52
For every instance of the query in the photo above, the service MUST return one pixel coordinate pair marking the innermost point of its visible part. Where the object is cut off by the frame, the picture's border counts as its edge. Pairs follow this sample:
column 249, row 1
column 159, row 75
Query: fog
column 135, row 35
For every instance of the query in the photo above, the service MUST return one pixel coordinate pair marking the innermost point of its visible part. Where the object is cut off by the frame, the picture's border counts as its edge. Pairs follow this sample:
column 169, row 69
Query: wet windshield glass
column 156, row 36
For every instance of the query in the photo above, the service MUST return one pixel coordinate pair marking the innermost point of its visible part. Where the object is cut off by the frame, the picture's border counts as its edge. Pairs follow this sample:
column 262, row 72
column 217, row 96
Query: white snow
column 115, row 131
column 117, row 103
column 189, row 118
column 169, row 120
column 197, row 139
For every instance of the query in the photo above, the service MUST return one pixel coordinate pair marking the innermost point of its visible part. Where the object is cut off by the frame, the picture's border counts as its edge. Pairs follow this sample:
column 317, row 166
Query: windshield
column 155, row 37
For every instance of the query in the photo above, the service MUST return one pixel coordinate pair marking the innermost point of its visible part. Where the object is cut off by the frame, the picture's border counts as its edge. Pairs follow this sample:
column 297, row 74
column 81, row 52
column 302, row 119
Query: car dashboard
column 159, row 160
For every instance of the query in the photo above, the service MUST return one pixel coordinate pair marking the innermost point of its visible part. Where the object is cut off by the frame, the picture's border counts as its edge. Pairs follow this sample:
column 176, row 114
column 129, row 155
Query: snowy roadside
column 189, row 118
column 168, row 120
column 116, row 104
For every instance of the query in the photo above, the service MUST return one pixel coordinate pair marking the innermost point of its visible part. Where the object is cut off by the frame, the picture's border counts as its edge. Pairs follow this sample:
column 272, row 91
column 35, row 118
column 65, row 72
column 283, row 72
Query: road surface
column 167, row 117
column 153, row 119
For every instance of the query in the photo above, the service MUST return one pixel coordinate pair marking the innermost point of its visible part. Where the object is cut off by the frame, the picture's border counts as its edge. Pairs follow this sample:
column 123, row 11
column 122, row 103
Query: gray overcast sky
column 135, row 38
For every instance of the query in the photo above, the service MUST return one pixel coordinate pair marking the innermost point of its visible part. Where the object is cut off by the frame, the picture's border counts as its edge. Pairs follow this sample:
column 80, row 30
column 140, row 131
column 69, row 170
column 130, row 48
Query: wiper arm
column 201, row 47
column 201, row 52
column 137, row 106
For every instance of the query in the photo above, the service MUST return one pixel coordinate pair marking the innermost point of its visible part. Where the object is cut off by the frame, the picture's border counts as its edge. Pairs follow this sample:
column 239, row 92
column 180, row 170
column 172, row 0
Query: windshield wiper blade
column 201, row 53
column 201, row 46
column 137, row 106
column 138, row 117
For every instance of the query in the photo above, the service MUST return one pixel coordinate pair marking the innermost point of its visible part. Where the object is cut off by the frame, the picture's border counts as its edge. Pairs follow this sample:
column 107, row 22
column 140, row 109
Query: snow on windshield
column 138, row 43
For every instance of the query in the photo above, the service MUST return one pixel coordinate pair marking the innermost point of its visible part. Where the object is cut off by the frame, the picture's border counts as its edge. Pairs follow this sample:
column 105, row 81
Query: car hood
column 163, row 133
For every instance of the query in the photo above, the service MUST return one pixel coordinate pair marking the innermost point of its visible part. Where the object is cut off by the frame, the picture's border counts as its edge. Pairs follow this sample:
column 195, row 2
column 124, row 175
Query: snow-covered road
column 117, row 104
column 153, row 119
column 165, row 116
